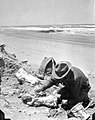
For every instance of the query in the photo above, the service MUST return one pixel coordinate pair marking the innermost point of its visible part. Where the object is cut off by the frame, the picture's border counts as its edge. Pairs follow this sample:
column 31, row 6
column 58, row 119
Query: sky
column 45, row 12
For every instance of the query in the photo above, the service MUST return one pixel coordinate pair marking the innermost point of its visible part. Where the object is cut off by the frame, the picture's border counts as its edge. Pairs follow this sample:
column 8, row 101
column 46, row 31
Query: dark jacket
column 75, row 82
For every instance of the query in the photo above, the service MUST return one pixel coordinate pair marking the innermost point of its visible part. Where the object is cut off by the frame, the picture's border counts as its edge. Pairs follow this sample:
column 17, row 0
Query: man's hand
column 64, row 102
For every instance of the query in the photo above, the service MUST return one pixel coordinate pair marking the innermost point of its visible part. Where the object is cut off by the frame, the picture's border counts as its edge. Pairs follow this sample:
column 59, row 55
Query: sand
column 34, row 46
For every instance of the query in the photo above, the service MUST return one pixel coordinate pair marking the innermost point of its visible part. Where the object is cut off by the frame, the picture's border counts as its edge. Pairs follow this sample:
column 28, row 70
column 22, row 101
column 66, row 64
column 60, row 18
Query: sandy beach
column 34, row 46
column 31, row 30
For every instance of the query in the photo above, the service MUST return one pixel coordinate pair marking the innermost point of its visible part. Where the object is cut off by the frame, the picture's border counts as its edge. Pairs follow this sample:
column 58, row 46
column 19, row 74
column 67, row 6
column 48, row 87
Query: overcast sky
column 37, row 12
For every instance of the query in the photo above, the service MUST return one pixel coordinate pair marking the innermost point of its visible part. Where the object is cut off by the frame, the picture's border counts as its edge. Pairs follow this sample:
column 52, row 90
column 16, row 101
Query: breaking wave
column 86, row 30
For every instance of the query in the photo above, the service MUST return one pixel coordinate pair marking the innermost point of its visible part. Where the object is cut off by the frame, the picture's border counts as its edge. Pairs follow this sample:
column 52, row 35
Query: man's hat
column 46, row 63
column 61, row 69
column 2, row 45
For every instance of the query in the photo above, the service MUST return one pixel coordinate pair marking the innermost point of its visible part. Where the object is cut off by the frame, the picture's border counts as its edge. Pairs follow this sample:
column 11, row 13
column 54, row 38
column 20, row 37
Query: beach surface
column 34, row 46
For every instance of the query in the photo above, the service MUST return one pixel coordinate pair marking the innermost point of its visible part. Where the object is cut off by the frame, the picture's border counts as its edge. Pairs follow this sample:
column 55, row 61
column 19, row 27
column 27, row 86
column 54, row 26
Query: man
column 45, row 68
column 76, row 84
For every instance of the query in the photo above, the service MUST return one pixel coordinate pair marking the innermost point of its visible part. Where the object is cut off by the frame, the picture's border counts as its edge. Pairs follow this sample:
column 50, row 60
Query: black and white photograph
column 47, row 59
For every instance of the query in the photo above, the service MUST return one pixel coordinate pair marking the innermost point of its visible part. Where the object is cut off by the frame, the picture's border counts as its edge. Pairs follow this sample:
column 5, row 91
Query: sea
column 75, row 33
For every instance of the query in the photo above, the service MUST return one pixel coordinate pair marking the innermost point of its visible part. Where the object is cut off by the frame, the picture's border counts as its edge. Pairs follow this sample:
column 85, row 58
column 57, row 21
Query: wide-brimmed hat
column 47, row 63
column 2, row 45
column 61, row 69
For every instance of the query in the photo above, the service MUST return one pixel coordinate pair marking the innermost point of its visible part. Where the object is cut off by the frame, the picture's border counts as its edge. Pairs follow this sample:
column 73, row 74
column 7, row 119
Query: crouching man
column 76, row 84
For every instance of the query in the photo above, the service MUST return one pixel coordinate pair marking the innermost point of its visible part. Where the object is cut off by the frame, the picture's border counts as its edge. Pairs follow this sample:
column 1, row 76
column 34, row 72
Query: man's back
column 78, row 73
